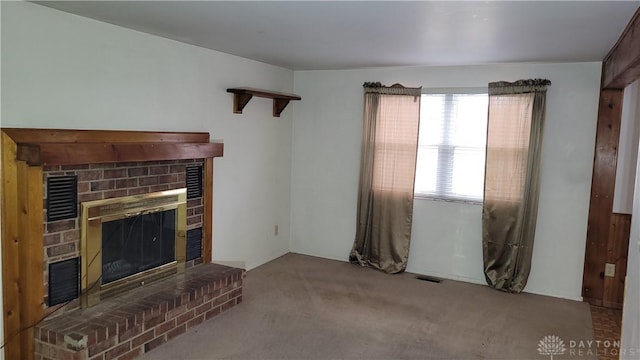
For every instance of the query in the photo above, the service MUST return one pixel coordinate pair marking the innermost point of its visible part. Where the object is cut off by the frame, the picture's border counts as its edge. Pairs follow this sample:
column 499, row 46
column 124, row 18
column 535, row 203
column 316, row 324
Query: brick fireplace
column 110, row 181
column 105, row 165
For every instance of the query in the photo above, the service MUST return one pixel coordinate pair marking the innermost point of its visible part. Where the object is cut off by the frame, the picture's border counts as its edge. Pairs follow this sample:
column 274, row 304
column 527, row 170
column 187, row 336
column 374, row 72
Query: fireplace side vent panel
column 194, row 243
column 194, row 182
column 62, row 197
column 64, row 279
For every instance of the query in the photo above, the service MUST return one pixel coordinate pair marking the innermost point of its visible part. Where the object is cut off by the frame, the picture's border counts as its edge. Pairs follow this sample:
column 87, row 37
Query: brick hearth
column 134, row 323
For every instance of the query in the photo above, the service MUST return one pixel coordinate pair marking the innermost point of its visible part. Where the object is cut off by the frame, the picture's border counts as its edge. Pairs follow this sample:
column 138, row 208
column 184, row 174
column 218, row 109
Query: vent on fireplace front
column 129, row 241
column 194, row 182
column 194, row 243
column 62, row 197
column 63, row 281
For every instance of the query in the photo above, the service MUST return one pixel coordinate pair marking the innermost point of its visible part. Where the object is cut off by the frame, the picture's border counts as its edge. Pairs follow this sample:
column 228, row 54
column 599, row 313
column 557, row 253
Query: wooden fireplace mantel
column 42, row 147
column 24, row 153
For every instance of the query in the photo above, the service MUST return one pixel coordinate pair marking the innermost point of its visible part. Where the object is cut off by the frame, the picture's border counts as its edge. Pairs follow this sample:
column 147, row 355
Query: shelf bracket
column 240, row 101
column 279, row 105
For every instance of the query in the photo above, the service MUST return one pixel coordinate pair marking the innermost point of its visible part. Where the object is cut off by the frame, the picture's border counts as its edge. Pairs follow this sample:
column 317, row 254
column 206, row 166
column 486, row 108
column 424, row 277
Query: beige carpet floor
column 302, row 307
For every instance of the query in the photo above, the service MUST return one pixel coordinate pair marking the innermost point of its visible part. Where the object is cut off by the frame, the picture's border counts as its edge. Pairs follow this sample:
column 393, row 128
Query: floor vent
column 62, row 197
column 429, row 278
column 194, row 182
column 64, row 278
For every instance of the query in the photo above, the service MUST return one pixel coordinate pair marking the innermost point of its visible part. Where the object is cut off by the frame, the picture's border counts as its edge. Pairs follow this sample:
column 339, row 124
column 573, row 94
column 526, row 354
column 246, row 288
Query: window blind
column 451, row 146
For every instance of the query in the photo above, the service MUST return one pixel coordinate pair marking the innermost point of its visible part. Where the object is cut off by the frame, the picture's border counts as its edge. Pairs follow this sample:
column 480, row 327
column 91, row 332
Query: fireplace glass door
column 136, row 244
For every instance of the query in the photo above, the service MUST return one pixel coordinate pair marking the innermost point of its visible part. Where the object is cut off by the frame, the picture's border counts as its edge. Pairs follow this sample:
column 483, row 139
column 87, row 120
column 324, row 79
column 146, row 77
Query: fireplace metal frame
column 94, row 213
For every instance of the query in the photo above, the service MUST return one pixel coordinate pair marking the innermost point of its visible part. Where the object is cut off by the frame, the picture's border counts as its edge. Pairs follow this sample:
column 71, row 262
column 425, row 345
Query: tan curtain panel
column 387, row 172
column 512, row 173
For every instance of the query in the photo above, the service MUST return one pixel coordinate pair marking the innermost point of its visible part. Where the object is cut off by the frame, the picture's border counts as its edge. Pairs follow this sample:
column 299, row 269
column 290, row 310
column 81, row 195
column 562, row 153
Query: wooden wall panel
column 617, row 249
column 602, row 189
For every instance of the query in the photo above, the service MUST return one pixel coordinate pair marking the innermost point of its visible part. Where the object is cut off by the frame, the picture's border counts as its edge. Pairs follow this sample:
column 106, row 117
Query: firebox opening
column 137, row 244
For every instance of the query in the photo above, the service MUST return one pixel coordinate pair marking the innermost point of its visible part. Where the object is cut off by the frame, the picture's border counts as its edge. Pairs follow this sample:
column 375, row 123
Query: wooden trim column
column 620, row 67
column 602, row 190
column 22, row 257
column 10, row 250
column 31, row 256
column 207, row 221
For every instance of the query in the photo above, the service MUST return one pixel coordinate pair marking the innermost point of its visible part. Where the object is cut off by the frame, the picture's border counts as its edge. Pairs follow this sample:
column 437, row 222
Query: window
column 451, row 146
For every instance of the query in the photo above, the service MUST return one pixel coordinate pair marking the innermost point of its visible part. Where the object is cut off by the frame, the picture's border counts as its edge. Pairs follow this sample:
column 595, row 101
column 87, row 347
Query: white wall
column 627, row 150
column 631, row 312
column 64, row 71
column 446, row 237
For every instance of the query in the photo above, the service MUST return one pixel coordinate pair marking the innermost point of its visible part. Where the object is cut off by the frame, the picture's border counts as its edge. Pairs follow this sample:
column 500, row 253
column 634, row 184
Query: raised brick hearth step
column 131, row 324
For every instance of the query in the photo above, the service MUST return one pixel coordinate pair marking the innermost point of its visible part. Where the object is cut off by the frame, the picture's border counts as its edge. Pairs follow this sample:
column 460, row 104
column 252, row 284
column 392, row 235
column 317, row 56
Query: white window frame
column 442, row 197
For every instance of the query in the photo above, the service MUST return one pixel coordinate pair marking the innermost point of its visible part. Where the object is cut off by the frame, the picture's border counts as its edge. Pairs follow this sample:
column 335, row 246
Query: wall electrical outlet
column 609, row 270
column 275, row 230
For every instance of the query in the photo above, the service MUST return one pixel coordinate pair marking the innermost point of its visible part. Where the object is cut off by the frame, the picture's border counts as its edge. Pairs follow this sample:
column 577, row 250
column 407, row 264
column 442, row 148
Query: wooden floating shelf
column 241, row 97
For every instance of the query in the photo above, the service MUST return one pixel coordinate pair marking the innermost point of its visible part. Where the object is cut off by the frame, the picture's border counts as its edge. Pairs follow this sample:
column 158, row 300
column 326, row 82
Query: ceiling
column 306, row 35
